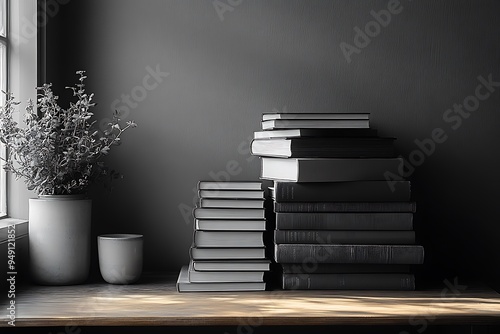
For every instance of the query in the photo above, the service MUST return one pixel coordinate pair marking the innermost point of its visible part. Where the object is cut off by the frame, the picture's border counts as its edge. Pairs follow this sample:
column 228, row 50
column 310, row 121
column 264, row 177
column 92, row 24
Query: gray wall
column 286, row 56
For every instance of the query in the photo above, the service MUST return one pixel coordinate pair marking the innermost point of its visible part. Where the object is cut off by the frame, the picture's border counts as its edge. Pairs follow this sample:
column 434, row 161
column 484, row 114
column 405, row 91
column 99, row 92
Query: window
column 4, row 46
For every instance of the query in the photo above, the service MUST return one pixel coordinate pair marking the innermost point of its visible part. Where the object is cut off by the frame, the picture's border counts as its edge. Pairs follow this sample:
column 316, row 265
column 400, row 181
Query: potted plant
column 59, row 154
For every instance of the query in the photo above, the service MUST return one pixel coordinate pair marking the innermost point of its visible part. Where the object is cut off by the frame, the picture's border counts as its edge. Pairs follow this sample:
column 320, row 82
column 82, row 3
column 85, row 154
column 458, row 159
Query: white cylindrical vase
column 59, row 239
column 120, row 257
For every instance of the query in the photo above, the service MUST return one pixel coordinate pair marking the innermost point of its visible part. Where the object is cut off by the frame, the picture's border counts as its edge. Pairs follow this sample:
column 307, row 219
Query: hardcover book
column 232, row 194
column 306, row 133
column 403, row 282
column 184, row 285
column 246, row 265
column 363, row 254
column 228, row 253
column 325, row 147
column 322, row 116
column 230, row 225
column 402, row 221
column 233, row 185
column 222, row 213
column 314, row 123
column 225, row 276
column 329, row 169
column 344, row 237
column 345, row 207
column 228, row 239
column 354, row 191
column 341, row 268
column 231, row 203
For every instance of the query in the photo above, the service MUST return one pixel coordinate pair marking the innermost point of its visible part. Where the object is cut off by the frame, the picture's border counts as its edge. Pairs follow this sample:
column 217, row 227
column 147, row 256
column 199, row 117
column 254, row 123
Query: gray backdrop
column 228, row 61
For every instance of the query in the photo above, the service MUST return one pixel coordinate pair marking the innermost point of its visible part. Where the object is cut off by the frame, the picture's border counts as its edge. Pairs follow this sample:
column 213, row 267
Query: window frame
column 4, row 40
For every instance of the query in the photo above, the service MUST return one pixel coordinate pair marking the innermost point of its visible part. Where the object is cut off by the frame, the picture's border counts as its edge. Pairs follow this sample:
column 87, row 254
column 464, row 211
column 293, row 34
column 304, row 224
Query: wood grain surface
column 154, row 301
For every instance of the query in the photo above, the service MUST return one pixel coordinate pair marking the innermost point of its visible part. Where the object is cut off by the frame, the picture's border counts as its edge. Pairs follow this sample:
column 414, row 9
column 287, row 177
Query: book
column 231, row 239
column 378, row 281
column 353, row 191
column 184, row 285
column 227, row 253
column 225, row 277
column 345, row 207
column 240, row 185
column 344, row 237
column 222, row 213
column 314, row 123
column 340, row 268
column 231, row 203
column 329, row 169
column 292, row 115
column 324, row 147
column 401, row 221
column 232, row 194
column 229, row 225
column 375, row 254
column 305, row 133
column 246, row 265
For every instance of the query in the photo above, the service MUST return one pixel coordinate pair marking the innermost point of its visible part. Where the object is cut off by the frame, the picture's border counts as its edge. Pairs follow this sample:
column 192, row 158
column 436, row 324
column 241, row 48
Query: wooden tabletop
column 154, row 301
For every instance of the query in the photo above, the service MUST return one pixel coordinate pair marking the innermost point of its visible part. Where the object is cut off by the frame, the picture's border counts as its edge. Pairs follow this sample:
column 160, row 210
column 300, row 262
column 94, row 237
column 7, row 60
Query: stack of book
column 343, row 215
column 228, row 251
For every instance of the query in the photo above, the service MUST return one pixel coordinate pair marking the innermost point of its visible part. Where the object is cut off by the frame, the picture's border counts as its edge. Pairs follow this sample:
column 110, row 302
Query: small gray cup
column 120, row 257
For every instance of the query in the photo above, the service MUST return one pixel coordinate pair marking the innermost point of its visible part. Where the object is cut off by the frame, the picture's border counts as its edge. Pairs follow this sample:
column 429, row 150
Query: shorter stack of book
column 228, row 252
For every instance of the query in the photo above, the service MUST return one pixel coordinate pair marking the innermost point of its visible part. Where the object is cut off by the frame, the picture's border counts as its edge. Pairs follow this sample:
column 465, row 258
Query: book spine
column 345, row 207
column 348, row 281
column 336, row 268
column 344, row 237
column 344, row 221
column 371, row 191
column 363, row 254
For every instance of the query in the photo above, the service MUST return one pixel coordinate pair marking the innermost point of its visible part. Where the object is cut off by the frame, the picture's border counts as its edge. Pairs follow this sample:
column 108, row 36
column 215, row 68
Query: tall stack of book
column 228, row 251
column 343, row 215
